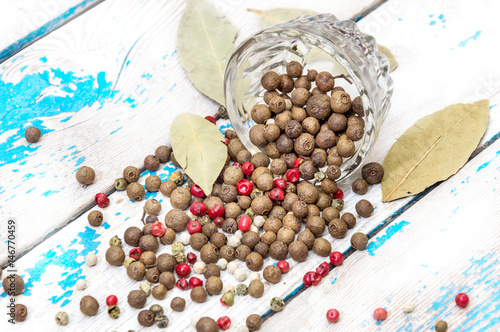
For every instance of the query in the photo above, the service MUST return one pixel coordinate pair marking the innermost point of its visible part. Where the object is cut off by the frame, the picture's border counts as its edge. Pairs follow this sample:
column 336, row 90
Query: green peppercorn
column 157, row 309
column 338, row 204
column 441, row 326
column 161, row 321
column 113, row 311
column 128, row 261
column 120, row 184
column 242, row 290
column 177, row 247
column 62, row 318
column 277, row 304
column 115, row 241
column 177, row 177
column 228, row 298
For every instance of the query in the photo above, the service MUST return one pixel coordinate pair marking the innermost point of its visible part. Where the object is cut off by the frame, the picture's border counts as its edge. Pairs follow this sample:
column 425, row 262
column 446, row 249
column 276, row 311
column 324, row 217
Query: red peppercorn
column 196, row 191
column 102, row 200
column 182, row 284
column 283, row 266
column 293, row 175
column 248, row 168
column 236, row 164
column 135, row 253
column 224, row 322
column 277, row 194
column 244, row 223
column 339, row 194
column 216, row 211
column 380, row 314
column 219, row 221
column 222, row 302
column 311, row 279
column 462, row 300
column 323, row 269
column 198, row 209
column 194, row 227
column 336, row 258
column 280, row 183
column 211, row 119
column 195, row 282
column 297, row 162
column 191, row 258
column 111, row 300
column 226, row 141
column 158, row 229
column 333, row 315
column 183, row 270
column 244, row 187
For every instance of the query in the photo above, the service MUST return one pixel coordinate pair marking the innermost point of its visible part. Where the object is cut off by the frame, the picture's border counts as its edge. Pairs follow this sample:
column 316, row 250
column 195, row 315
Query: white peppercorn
column 408, row 307
column 254, row 228
column 194, row 319
column 81, row 284
column 254, row 276
column 232, row 266
column 240, row 274
column 234, row 241
column 184, row 238
column 199, row 267
column 222, row 263
column 145, row 287
column 243, row 328
column 91, row 259
column 259, row 221
column 238, row 234
column 229, row 288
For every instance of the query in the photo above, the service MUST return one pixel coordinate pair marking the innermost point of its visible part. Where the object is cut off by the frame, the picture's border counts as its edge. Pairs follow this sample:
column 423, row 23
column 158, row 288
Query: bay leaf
column 274, row 16
column 205, row 42
column 433, row 149
column 393, row 64
column 199, row 148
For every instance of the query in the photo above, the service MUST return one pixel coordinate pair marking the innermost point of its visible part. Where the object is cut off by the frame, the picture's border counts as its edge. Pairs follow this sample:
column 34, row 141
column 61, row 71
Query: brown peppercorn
column 85, row 175
column 146, row 318
column 359, row 241
column 294, row 69
column 360, row 186
column 232, row 210
column 165, row 262
column 281, row 119
column 333, row 172
column 206, row 324
column 163, row 153
column 304, row 144
column 243, row 202
column 307, row 192
column 311, row 75
column 198, row 294
column 227, row 252
column 272, row 224
column 270, row 81
column 337, row 228
column 298, row 251
column 136, row 271
column 218, row 239
column 324, row 201
column 176, row 219
column 340, row 102
column 209, row 253
column 272, row 274
column 260, row 113
column 298, row 113
column 152, row 275
column 167, row 187
column 364, row 208
column 307, row 169
column 147, row 258
column 178, row 304
column 168, row 237
column 307, row 237
column 286, row 235
column 256, row 135
column 132, row 236
column 284, row 144
column 260, row 159
column 286, row 83
column 372, row 173
column 299, row 209
column 95, row 218
column 135, row 191
column 242, row 252
column 32, row 134
column 131, row 174
column 151, row 163
column 316, row 225
column 254, row 261
column 213, row 285
column 318, row 157
column 277, row 104
column 302, row 83
column 230, row 226
column 262, row 205
column 256, row 288
column 89, row 306
column 262, row 249
column 318, row 106
column 167, row 279
column 268, row 237
column 326, row 139
column 228, row 194
column 20, row 312
column 153, row 183
column 115, row 255
column 330, row 213
column 292, row 222
column 325, row 81
column 278, row 250
column 159, row 292
column 300, row 97
column 148, row 243
column 322, row 247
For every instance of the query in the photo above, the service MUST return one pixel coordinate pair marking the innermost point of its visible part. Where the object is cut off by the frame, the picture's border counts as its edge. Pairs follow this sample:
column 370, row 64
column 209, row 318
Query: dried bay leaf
column 205, row 42
column 274, row 16
column 393, row 64
column 199, row 148
column 433, row 149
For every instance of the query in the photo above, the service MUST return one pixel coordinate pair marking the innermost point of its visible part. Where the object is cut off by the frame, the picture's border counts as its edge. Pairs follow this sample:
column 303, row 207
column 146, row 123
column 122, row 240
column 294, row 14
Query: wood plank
column 119, row 67
column 444, row 245
column 25, row 21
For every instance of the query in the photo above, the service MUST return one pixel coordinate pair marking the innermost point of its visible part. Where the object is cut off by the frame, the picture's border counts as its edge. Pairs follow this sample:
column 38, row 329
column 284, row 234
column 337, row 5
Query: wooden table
column 103, row 81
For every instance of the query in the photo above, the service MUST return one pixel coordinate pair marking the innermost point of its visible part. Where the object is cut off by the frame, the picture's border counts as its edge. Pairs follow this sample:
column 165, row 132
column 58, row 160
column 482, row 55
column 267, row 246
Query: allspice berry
column 167, row 279
column 228, row 194
column 198, row 240
column 294, row 69
column 326, row 139
column 242, row 252
column 13, row 284
column 340, row 102
column 260, row 113
column 349, row 219
column 95, row 218
column 153, row 183
column 211, row 270
column 132, row 236
column 318, row 106
column 151, row 163
column 256, row 288
column 148, row 243
column 168, row 237
column 316, row 225
column 89, row 306
column 243, row 156
column 218, row 239
column 209, row 253
column 284, row 144
column 165, row 262
column 136, row 271
column 148, row 258
column 337, row 228
column 311, row 75
column 271, row 132
column 270, row 81
column 359, row 241
column 178, row 304
column 286, row 84
column 176, row 219
column 298, row 113
column 304, row 144
column 146, row 318
column 85, row 175
column 159, row 292
column 163, row 153
column 167, row 187
column 337, row 122
column 330, row 213
column 115, row 256
column 364, row 208
column 286, row 235
column 278, row 250
column 152, row 207
column 254, row 261
column 137, row 299
column 262, row 249
column 298, row 251
column 372, row 173
column 277, row 104
column 131, row 174
column 307, row 237
column 213, row 285
column 345, row 146
column 359, row 186
column 307, row 170
column 135, row 191
column 355, row 132
column 324, row 81
column 180, row 198
column 20, row 312
column 262, row 205
column 32, row 134
column 234, row 147
column 302, row 83
column 322, row 247
column 198, row 294
column 272, row 274
column 260, row 159
column 256, row 136
column 329, row 186
column 207, row 324
column 357, row 106
column 300, row 97
column 232, row 175
column 152, row 275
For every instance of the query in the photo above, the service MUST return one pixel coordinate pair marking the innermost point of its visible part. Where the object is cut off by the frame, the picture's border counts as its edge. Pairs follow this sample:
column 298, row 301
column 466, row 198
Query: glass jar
column 320, row 42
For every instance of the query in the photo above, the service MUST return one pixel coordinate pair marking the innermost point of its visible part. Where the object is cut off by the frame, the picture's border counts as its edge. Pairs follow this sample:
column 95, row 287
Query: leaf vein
column 210, row 42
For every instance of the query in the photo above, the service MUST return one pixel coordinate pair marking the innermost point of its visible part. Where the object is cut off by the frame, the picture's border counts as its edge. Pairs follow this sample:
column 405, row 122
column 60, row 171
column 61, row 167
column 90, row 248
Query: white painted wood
column 127, row 47
column 446, row 244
